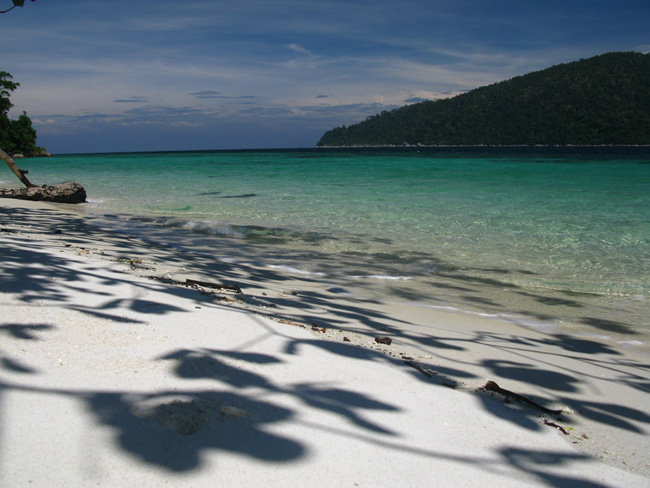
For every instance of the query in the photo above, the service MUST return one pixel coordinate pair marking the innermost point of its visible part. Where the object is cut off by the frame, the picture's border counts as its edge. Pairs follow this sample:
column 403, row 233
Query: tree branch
column 20, row 173
column 17, row 3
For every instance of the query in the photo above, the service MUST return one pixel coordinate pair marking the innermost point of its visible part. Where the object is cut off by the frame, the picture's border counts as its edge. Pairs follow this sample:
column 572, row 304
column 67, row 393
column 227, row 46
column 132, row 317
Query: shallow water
column 549, row 237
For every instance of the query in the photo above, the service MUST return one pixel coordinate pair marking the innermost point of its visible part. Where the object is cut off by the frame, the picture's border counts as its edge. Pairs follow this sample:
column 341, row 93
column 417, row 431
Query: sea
column 553, row 238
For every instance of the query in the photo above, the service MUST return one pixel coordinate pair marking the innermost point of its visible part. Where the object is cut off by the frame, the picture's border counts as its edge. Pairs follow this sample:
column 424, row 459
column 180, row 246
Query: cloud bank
column 214, row 74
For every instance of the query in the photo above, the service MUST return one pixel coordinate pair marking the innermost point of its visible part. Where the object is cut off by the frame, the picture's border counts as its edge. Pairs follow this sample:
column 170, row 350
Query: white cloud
column 301, row 50
column 306, row 59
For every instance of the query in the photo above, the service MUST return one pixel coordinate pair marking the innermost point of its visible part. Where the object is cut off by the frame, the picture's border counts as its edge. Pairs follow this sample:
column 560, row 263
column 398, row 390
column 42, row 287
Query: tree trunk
column 20, row 173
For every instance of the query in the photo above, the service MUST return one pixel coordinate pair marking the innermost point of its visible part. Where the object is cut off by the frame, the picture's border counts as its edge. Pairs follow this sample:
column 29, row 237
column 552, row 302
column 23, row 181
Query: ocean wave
column 93, row 201
column 383, row 277
column 209, row 227
column 292, row 269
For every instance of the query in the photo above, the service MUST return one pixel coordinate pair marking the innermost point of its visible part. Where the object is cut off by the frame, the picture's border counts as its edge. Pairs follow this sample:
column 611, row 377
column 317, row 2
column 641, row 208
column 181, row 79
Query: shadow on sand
column 171, row 429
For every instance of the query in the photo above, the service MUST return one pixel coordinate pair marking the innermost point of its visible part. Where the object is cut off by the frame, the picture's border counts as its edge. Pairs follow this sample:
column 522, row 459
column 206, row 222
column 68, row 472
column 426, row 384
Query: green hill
column 600, row 100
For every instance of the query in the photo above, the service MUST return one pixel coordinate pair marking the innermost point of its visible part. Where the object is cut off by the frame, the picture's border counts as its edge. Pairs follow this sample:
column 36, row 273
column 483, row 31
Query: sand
column 117, row 371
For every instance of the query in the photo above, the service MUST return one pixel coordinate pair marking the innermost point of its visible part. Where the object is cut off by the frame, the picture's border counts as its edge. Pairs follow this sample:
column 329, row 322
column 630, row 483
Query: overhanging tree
column 16, row 3
column 22, row 131
column 6, row 87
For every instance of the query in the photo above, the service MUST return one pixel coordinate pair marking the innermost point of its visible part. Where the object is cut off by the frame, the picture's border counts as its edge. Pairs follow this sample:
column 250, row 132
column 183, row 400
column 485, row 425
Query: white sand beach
column 114, row 373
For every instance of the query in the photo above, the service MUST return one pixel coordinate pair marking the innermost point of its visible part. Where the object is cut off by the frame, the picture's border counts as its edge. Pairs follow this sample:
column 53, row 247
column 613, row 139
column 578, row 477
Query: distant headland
column 603, row 100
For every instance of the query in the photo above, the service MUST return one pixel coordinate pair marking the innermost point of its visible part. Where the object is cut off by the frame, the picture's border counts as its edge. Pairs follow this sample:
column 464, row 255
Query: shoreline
column 486, row 146
column 542, row 259
column 468, row 288
column 360, row 147
column 604, row 387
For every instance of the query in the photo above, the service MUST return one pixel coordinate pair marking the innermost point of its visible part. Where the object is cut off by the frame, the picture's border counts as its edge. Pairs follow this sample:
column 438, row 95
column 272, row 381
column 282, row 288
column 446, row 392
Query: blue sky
column 126, row 75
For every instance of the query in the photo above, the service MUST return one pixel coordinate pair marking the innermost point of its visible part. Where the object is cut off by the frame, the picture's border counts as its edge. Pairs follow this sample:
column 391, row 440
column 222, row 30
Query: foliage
column 6, row 87
column 600, row 100
column 16, row 3
column 16, row 136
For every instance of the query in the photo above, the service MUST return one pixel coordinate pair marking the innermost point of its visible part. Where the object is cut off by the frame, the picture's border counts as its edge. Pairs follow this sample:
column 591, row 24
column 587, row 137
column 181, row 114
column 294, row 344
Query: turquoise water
column 560, row 235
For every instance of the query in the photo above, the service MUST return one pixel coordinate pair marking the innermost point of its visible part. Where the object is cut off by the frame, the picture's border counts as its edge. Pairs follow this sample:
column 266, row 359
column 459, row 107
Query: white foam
column 210, row 227
column 291, row 269
column 538, row 325
column 631, row 345
column 384, row 277
column 513, row 319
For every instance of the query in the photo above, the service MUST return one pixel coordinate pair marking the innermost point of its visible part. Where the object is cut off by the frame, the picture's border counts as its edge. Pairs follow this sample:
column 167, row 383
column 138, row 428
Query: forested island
column 601, row 100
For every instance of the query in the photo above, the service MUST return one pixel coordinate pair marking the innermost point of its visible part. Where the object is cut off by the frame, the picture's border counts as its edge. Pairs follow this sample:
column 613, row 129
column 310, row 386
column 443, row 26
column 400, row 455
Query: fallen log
column 70, row 192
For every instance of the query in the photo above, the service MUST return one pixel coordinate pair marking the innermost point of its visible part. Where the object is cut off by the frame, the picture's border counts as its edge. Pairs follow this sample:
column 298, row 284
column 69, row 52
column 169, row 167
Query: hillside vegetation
column 16, row 136
column 600, row 100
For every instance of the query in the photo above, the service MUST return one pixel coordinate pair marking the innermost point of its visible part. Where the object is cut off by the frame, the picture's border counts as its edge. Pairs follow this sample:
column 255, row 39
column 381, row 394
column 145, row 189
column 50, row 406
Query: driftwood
column 217, row 286
column 64, row 193
column 492, row 386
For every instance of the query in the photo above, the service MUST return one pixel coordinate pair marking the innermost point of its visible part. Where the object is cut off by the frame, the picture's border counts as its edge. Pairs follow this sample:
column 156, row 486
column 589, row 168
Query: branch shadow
column 212, row 364
column 22, row 332
column 533, row 462
column 173, row 430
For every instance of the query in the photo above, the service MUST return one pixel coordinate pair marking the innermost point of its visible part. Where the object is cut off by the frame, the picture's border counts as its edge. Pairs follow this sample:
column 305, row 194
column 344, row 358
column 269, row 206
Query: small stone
column 383, row 340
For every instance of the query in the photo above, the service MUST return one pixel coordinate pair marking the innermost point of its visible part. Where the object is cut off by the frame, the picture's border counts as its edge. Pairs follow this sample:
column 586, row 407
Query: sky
column 161, row 75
